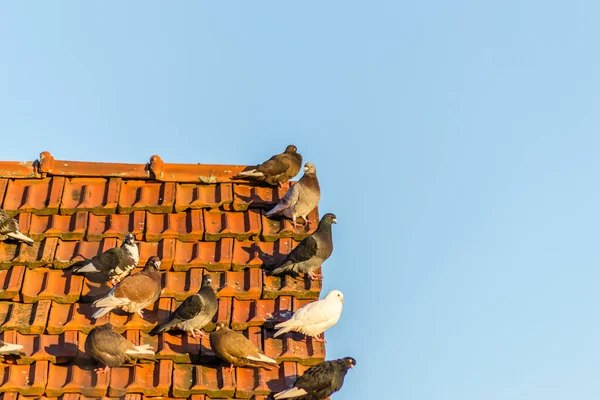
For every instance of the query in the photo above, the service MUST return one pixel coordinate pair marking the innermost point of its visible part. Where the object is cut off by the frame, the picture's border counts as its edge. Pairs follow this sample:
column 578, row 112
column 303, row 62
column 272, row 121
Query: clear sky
column 456, row 141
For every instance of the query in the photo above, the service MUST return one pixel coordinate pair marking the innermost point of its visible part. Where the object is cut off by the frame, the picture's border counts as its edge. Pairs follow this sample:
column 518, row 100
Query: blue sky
column 457, row 143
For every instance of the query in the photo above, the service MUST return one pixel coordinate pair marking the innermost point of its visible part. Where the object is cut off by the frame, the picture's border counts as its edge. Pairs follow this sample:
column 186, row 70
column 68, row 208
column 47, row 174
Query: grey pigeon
column 111, row 349
column 301, row 198
column 278, row 169
column 315, row 318
column 134, row 293
column 115, row 263
column 236, row 349
column 9, row 229
column 194, row 313
column 312, row 251
column 319, row 381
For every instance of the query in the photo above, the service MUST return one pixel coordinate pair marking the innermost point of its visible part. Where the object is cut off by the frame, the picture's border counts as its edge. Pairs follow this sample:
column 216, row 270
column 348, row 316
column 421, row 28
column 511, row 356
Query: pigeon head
column 351, row 362
column 107, row 326
column 335, row 295
column 153, row 263
column 206, row 280
column 129, row 239
column 310, row 169
column 221, row 325
column 329, row 219
column 291, row 149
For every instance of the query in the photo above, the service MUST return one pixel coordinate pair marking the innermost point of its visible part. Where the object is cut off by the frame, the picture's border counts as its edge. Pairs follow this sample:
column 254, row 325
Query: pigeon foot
column 102, row 370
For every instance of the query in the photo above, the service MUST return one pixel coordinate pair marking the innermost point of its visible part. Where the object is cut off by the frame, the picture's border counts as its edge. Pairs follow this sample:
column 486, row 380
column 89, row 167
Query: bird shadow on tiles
column 64, row 352
column 281, row 382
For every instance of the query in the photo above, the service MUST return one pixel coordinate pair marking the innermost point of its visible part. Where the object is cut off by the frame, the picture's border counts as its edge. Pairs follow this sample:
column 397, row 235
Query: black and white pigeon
column 134, row 293
column 9, row 349
column 301, row 198
column 278, row 169
column 9, row 229
column 115, row 263
column 312, row 251
column 194, row 313
column 111, row 349
column 319, row 381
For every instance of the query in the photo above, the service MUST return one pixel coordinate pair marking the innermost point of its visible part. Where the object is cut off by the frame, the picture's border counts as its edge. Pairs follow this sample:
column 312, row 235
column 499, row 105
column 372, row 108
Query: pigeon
column 319, row 381
column 194, row 313
column 7, row 349
column 111, row 349
column 115, row 263
column 301, row 198
column 234, row 348
column 277, row 169
column 9, row 229
column 134, row 293
column 314, row 318
column 311, row 252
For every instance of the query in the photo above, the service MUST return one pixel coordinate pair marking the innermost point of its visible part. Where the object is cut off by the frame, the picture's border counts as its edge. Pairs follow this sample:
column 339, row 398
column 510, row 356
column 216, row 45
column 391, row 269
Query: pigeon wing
column 138, row 288
column 316, row 378
column 190, row 307
column 276, row 165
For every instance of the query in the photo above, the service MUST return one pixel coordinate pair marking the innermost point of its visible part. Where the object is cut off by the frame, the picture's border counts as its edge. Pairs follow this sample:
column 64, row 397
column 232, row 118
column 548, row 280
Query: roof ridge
column 154, row 169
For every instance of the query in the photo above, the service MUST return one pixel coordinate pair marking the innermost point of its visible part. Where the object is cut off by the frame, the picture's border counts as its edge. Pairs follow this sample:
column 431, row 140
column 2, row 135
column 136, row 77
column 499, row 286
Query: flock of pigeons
column 133, row 293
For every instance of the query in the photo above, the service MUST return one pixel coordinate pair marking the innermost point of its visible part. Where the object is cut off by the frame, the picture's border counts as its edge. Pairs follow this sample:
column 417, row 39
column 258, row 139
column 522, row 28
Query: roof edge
column 155, row 169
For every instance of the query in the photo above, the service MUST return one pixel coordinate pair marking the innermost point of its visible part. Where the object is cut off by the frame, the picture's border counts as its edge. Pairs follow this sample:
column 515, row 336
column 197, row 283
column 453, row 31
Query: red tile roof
column 194, row 217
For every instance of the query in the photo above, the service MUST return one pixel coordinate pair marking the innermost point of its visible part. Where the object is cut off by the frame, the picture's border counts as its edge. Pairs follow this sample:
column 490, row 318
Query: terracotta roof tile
column 197, row 220
column 195, row 196
column 97, row 195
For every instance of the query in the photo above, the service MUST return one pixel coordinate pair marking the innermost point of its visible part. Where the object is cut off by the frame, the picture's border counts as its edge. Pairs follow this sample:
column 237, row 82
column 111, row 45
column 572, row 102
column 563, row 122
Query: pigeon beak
column 305, row 169
column 334, row 221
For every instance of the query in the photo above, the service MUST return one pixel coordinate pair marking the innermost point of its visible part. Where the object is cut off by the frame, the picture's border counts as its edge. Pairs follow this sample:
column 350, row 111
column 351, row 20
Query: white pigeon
column 9, row 348
column 314, row 318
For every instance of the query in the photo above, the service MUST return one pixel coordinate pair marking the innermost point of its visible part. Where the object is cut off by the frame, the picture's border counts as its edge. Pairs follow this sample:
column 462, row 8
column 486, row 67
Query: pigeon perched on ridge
column 236, row 349
column 111, row 349
column 194, row 313
column 319, row 381
column 278, row 169
column 301, row 198
column 314, row 318
column 10, row 349
column 115, row 263
column 9, row 229
column 312, row 251
column 134, row 293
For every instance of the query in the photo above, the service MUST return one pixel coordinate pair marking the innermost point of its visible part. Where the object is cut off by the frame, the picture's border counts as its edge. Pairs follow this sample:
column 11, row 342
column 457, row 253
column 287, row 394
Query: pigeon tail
column 282, row 269
column 89, row 267
column 290, row 393
column 101, row 312
column 277, row 209
column 253, row 173
column 282, row 328
column 141, row 350
column 9, row 348
column 163, row 327
column 20, row 237
column 261, row 359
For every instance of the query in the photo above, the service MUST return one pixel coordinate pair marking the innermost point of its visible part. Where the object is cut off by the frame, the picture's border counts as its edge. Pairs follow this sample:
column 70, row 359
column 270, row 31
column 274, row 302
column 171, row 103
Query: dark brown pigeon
column 111, row 349
column 319, row 381
column 234, row 348
column 9, row 229
column 194, row 313
column 115, row 263
column 301, row 198
column 134, row 293
column 312, row 251
column 278, row 169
